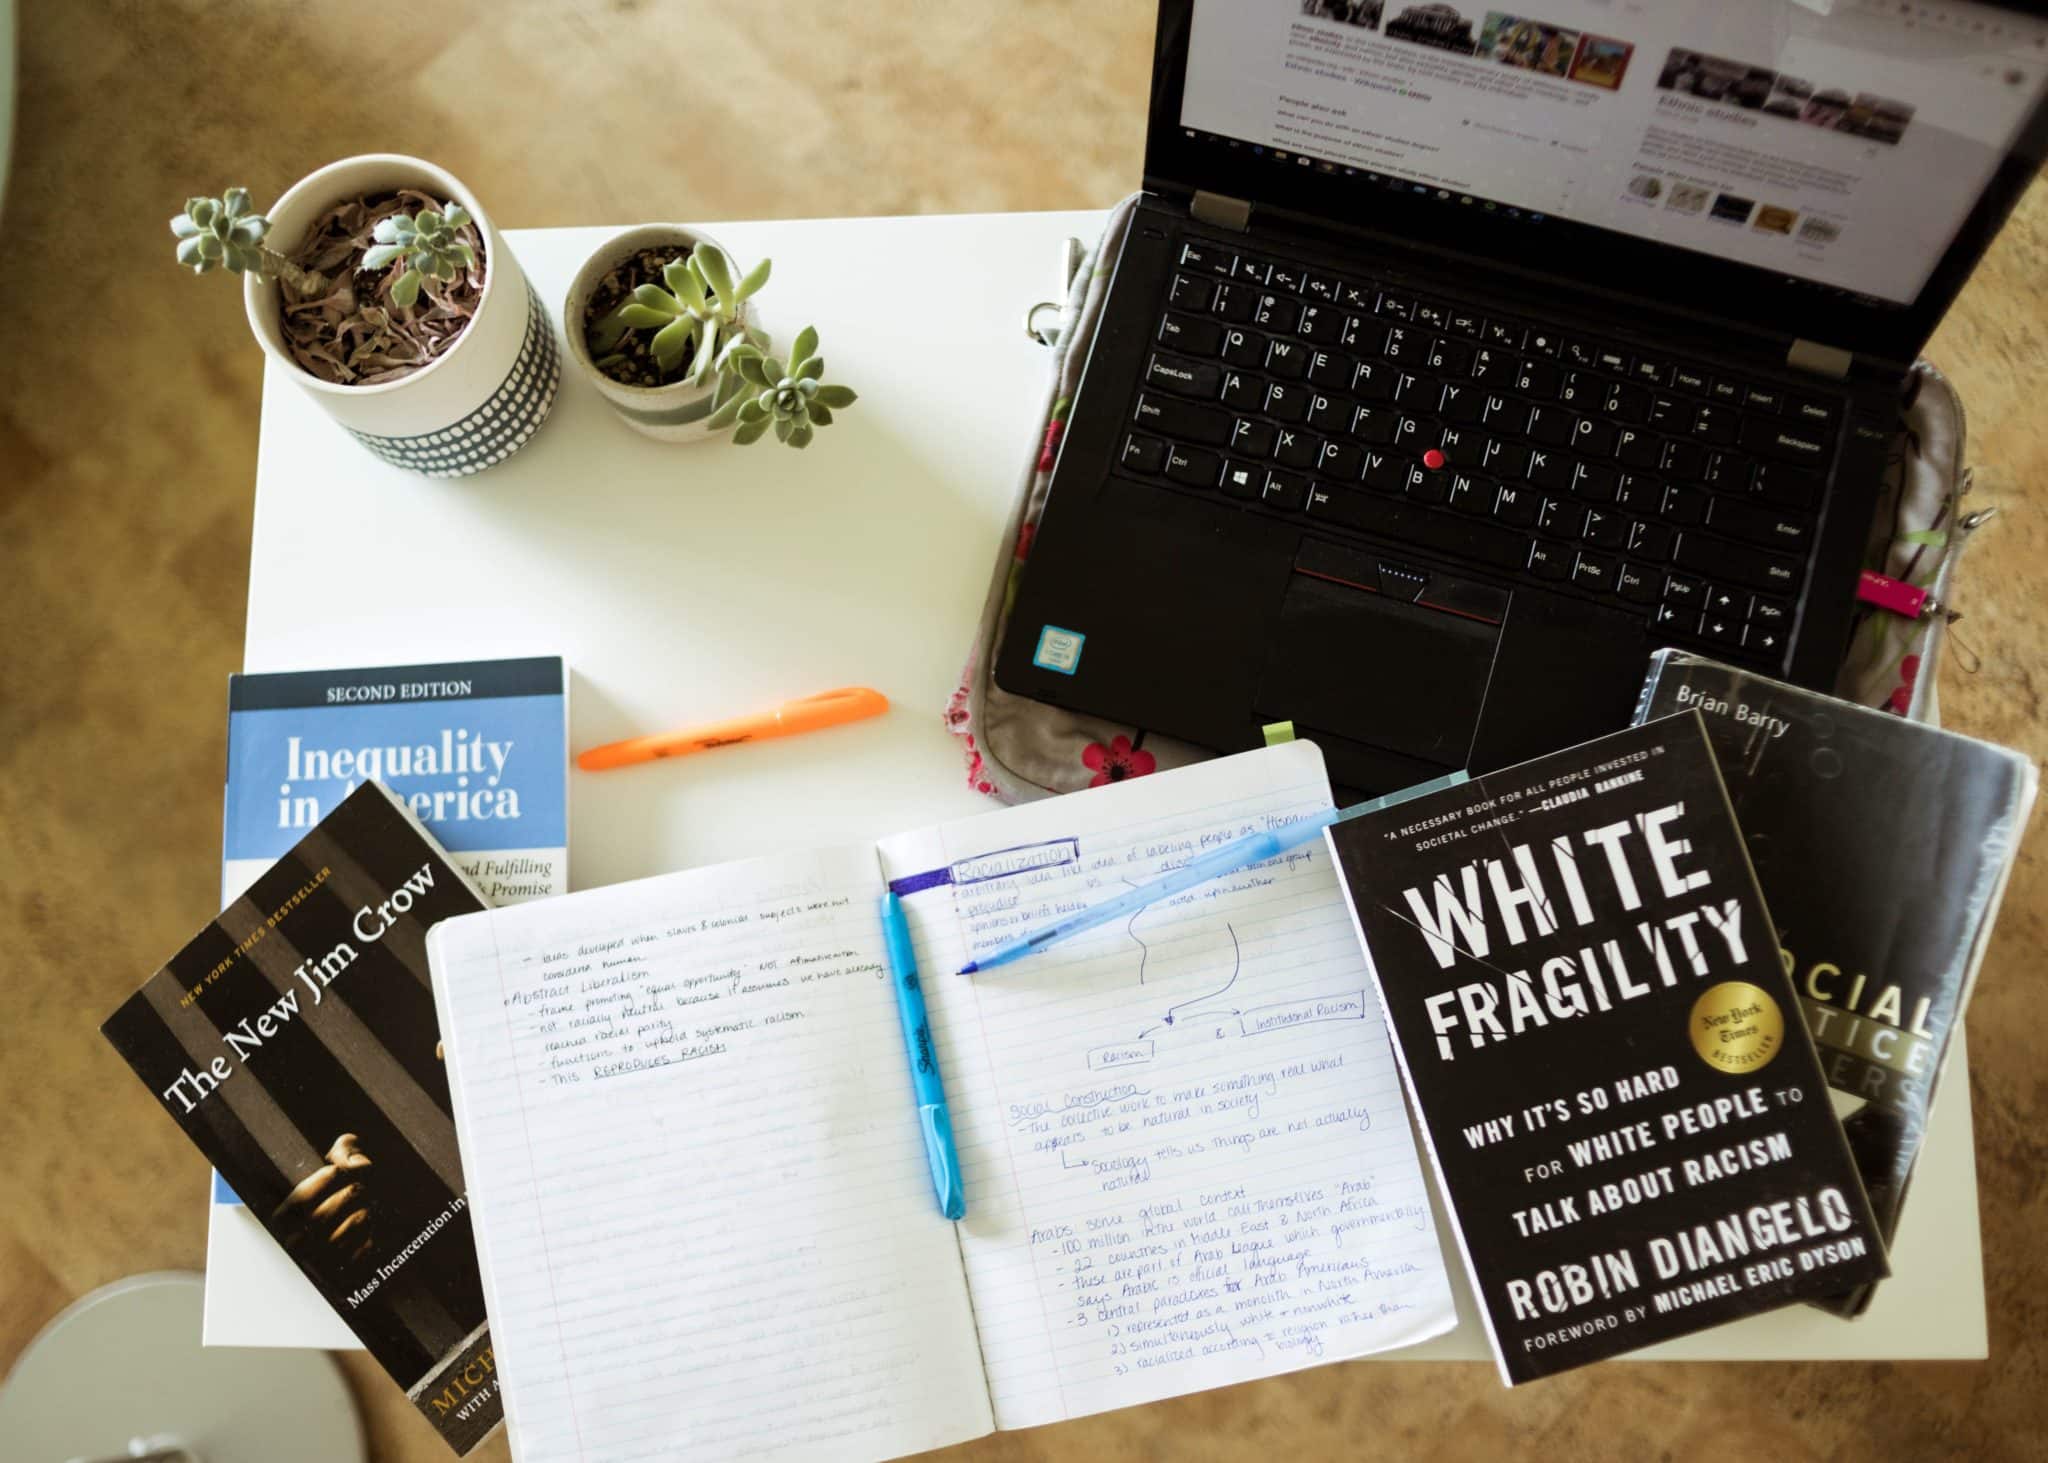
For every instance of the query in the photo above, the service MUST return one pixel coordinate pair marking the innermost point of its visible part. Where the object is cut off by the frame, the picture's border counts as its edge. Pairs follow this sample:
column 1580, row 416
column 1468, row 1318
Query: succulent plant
column 697, row 314
column 429, row 242
column 789, row 396
column 227, row 233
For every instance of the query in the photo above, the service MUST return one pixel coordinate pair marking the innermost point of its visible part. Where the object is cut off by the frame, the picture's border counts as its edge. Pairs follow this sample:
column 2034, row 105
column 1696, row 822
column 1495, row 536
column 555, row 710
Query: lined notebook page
column 701, row 1203
column 1186, row 1154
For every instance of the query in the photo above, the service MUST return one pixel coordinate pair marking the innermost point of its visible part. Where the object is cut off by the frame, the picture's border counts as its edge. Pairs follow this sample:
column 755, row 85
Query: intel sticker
column 1059, row 650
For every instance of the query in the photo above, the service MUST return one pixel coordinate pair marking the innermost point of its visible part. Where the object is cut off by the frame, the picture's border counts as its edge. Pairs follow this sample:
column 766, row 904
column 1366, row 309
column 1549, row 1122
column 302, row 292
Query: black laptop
column 1455, row 360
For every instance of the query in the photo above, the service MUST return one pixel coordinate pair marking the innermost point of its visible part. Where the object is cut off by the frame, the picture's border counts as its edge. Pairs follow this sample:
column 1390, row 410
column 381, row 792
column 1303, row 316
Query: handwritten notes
column 1186, row 1155
column 703, row 1214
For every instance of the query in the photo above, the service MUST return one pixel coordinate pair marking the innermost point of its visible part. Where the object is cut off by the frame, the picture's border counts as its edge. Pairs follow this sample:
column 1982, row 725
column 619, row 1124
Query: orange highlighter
column 791, row 718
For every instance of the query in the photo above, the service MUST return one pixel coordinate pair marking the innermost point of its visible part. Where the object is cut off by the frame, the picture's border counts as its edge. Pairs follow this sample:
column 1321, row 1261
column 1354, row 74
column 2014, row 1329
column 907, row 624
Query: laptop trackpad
column 1388, row 666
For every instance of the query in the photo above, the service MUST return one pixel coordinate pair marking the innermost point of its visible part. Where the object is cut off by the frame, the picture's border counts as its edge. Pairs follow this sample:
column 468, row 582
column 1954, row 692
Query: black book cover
column 1627, row 1115
column 294, row 1040
column 1883, row 848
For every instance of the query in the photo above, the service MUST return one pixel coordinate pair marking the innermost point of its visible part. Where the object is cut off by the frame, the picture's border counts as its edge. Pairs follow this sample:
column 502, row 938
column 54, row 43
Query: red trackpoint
column 1433, row 458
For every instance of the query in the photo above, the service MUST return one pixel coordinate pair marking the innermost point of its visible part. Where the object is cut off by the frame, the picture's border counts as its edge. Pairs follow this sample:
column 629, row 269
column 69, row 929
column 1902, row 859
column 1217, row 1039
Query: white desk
column 690, row 582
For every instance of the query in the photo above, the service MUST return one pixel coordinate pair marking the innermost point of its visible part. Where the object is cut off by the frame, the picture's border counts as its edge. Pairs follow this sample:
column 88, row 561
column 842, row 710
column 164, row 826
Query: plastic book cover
column 479, row 752
column 294, row 1040
column 1626, row 1113
column 1883, row 847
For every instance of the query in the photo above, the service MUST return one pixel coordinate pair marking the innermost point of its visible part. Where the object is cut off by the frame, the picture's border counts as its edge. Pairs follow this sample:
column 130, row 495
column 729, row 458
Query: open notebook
column 700, row 1198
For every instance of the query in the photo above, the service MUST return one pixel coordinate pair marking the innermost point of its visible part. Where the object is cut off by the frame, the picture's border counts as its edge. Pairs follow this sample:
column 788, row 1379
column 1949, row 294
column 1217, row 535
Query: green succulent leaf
column 751, row 285
column 821, row 415
column 810, row 369
column 455, row 215
column 189, row 255
column 672, row 340
column 804, row 347
column 675, row 272
column 386, row 231
column 639, row 317
column 379, row 255
column 725, row 415
column 751, row 410
column 833, row 397
column 749, row 431
column 657, row 301
column 405, row 290
column 755, row 370
column 717, row 272
column 605, row 335
column 184, row 227
column 782, row 427
column 799, row 435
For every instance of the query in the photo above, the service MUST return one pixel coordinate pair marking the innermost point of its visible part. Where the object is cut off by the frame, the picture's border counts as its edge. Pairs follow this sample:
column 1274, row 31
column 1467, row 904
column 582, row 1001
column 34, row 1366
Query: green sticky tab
column 1278, row 732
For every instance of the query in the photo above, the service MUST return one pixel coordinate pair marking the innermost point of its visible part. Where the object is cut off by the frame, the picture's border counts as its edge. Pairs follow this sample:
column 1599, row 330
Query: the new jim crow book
column 1626, row 1112
column 294, row 1040
column 1883, row 847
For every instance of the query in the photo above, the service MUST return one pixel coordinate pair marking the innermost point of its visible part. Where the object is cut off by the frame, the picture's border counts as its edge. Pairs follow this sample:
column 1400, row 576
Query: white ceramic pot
column 483, row 398
column 672, row 413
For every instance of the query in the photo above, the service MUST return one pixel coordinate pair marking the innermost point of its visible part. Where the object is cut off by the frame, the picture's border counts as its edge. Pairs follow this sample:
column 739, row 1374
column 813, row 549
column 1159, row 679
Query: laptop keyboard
column 1649, row 482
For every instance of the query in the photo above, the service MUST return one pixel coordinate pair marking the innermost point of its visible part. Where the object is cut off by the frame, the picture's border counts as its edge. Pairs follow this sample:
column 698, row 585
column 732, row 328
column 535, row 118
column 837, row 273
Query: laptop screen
column 1838, row 142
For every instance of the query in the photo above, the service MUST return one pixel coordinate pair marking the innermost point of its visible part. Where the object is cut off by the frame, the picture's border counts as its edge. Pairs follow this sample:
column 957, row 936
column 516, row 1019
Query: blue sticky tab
column 1059, row 650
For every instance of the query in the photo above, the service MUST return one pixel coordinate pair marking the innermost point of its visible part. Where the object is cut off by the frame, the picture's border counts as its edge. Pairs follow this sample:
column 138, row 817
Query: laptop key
column 1684, row 506
column 1714, row 424
column 1767, row 400
column 1251, row 438
column 1287, row 358
column 1327, row 368
column 1640, row 495
column 1811, row 410
column 1436, row 317
column 1384, row 471
column 1638, row 449
column 1191, row 465
column 1293, row 448
column 1452, row 357
column 1142, row 454
column 1720, row 629
column 1762, row 639
column 1726, row 602
column 1341, row 460
column 1464, row 322
column 1285, row 490
column 1235, row 303
column 1286, row 279
column 1374, row 424
column 1730, row 472
column 1419, row 393
column 1648, row 539
column 1626, row 402
column 1551, row 561
column 1273, row 312
column 1286, row 402
column 1470, row 494
column 1596, row 482
column 1246, row 393
column 1772, row 612
column 1328, row 413
column 1685, row 378
column 1427, row 484
column 1207, row 259
column 1669, row 619
column 1356, row 296
column 1550, row 469
column 1541, row 342
column 1190, row 292
column 1785, row 487
column 1632, row 582
column 1550, row 425
column 1404, row 347
column 1737, row 563
column 1182, row 419
column 1244, row 348
column 1194, row 337
column 1767, row 526
column 1590, row 434
column 1792, row 441
column 1243, row 479
column 1492, row 369
column 1202, row 380
column 1517, row 505
column 1595, row 571
column 1326, row 288
column 1400, row 306
column 1604, row 530
column 1462, row 446
column 1460, row 403
column 1497, row 333
column 1684, row 459
column 1539, row 378
column 1320, row 324
column 1505, row 459
column 1374, row 380
column 1687, row 590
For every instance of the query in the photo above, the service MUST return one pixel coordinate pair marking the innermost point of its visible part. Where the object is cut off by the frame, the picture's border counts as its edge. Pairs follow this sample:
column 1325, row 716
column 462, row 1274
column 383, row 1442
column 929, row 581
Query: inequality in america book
column 294, row 1041
column 1625, row 1109
column 479, row 751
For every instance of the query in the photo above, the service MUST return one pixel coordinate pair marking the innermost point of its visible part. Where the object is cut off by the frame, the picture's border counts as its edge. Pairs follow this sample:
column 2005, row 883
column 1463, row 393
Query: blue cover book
column 478, row 750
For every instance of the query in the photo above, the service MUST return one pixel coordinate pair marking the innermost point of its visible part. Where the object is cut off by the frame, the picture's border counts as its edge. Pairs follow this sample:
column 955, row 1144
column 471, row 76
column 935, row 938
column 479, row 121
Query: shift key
column 1170, row 418
column 1737, row 564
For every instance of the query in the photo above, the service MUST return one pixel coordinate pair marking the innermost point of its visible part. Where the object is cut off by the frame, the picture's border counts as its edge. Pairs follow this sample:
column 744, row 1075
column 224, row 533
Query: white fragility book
column 701, row 1203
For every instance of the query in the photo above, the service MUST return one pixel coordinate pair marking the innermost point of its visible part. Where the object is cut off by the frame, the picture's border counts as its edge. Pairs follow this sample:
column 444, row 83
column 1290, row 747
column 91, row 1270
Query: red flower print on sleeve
column 1116, row 761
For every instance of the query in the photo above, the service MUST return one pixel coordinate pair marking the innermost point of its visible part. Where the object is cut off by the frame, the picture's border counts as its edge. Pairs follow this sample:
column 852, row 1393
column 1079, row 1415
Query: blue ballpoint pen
column 932, row 1116
column 1253, row 848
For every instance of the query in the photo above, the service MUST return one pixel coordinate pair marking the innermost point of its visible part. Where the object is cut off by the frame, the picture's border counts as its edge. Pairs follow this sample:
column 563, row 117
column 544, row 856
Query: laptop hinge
column 1820, row 360
column 1224, row 213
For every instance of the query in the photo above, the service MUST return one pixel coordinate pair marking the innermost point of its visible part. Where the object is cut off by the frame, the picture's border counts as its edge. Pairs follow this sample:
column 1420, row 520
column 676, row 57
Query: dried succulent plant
column 790, row 396
column 430, row 243
column 697, row 314
column 227, row 233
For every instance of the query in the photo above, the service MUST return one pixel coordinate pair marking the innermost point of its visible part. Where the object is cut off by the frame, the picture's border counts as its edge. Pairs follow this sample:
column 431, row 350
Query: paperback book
column 294, row 1041
column 479, row 752
column 1626, row 1113
column 1883, row 846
